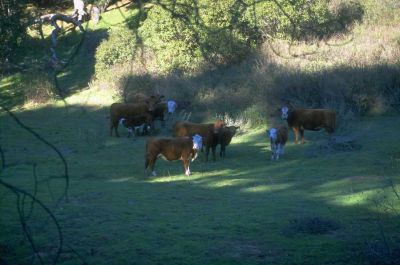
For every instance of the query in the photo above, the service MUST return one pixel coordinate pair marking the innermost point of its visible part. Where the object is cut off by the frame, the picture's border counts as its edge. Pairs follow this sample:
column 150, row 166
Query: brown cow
column 126, row 110
column 278, row 138
column 178, row 148
column 227, row 135
column 214, row 134
column 223, row 140
column 309, row 119
column 211, row 132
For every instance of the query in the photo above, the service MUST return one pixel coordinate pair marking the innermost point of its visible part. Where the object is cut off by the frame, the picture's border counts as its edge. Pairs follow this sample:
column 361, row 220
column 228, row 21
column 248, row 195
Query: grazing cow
column 278, row 137
column 178, row 148
column 211, row 132
column 309, row 119
column 126, row 110
column 142, row 122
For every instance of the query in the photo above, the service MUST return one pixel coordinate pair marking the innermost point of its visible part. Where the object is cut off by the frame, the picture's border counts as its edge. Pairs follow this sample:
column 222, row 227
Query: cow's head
column 218, row 125
column 197, row 141
column 152, row 101
column 285, row 113
column 171, row 106
column 228, row 133
column 272, row 133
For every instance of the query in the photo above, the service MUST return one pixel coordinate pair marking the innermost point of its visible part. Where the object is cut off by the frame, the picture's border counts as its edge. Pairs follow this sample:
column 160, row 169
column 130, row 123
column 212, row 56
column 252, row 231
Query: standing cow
column 179, row 148
column 309, row 119
column 211, row 133
column 278, row 138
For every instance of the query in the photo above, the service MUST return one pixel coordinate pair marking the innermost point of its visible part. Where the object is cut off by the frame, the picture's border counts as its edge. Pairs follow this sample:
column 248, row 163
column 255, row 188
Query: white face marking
column 171, row 106
column 272, row 133
column 197, row 142
column 285, row 113
column 121, row 121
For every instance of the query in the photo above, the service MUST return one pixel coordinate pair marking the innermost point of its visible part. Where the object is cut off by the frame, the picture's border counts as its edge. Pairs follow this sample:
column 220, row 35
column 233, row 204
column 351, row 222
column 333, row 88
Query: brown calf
column 179, row 148
column 278, row 138
column 309, row 119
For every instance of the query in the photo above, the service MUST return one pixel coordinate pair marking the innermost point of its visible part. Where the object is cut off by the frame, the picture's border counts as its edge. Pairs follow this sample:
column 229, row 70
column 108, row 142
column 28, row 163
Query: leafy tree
column 12, row 27
column 186, row 34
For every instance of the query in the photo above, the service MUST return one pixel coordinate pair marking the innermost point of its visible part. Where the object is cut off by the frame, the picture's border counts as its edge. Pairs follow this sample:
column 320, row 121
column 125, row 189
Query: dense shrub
column 192, row 34
column 304, row 19
column 118, row 48
column 187, row 34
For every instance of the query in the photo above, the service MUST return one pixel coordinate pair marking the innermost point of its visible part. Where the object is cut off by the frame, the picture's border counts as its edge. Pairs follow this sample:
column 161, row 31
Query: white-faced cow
column 309, row 119
column 162, row 108
column 178, row 148
column 278, row 137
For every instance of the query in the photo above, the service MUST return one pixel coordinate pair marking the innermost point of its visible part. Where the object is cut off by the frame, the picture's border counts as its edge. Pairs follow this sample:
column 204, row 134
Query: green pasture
column 310, row 207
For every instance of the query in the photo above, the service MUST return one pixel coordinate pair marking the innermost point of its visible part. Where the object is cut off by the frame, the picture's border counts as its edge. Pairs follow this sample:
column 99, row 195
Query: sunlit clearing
column 359, row 198
column 92, row 97
column 230, row 182
column 266, row 188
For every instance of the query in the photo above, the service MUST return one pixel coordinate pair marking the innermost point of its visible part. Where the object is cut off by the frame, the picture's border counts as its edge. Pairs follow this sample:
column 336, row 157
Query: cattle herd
column 140, row 111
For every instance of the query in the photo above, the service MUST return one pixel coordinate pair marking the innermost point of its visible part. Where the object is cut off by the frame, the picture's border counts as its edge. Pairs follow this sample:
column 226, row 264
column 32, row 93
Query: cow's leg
column 273, row 150
column 278, row 151
column 115, row 126
column 149, row 163
column 296, row 134
column 222, row 153
column 282, row 149
column 186, row 166
column 207, row 152
column 302, row 135
column 213, row 148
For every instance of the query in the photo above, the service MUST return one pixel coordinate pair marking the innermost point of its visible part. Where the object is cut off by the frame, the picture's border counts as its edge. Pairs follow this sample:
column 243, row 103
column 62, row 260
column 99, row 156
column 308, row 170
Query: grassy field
column 310, row 207
column 313, row 206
